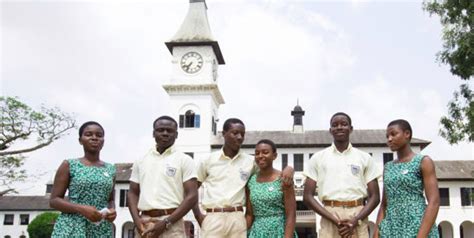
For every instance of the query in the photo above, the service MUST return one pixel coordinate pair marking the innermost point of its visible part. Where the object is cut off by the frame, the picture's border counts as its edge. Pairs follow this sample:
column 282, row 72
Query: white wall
column 16, row 230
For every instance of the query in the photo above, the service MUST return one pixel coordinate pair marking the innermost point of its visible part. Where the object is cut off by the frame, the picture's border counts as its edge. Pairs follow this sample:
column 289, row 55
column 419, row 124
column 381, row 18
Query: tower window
column 189, row 120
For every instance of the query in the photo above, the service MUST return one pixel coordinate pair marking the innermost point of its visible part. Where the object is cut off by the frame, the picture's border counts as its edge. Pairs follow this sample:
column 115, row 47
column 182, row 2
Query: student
column 346, row 178
column 224, row 175
column 403, row 211
column 163, row 185
column 271, row 210
column 90, row 182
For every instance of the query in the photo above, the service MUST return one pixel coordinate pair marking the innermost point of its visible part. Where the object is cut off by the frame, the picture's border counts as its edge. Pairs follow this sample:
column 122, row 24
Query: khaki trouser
column 224, row 225
column 175, row 231
column 329, row 230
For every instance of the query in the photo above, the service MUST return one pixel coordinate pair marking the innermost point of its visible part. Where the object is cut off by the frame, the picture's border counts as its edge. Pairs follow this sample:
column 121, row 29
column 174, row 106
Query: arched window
column 189, row 120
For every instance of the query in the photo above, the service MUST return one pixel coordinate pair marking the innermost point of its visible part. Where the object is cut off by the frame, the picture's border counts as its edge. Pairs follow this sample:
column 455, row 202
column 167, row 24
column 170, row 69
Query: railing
column 305, row 213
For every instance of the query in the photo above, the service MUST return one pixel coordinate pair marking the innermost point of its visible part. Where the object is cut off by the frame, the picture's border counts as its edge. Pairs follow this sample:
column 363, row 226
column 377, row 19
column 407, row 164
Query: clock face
column 191, row 62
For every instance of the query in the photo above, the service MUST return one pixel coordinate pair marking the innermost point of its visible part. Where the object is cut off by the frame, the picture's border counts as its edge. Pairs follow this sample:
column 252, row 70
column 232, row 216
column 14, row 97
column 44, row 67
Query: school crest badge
column 244, row 175
column 170, row 171
column 355, row 169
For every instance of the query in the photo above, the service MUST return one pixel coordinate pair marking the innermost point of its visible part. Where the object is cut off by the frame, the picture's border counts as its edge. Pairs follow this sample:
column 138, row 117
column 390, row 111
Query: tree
column 42, row 226
column 457, row 18
column 32, row 129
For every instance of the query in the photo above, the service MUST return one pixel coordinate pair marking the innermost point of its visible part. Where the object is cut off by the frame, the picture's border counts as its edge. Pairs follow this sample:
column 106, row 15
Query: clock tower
column 193, row 88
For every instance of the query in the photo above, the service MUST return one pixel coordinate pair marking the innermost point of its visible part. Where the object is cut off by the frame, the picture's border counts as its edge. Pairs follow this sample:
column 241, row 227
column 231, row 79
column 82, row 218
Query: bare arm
column 290, row 211
column 197, row 211
column 308, row 199
column 432, row 196
column 248, row 208
column 287, row 177
column 132, row 198
column 381, row 213
column 372, row 202
column 58, row 202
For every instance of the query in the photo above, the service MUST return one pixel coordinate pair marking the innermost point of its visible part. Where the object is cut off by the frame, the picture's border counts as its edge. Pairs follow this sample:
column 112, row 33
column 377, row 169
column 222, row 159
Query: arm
column 57, row 201
column 372, row 202
column 432, row 196
column 287, row 177
column 290, row 211
column 189, row 201
column 248, row 208
column 308, row 199
column 112, row 214
column 380, row 214
column 132, row 197
column 197, row 211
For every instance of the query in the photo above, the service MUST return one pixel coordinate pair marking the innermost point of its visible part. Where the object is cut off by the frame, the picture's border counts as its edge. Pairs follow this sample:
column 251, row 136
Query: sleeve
column 372, row 171
column 134, row 177
column 201, row 170
column 311, row 171
column 189, row 168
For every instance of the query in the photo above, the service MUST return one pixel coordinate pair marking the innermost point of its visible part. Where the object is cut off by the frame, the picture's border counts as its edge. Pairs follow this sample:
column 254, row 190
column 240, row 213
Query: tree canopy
column 457, row 19
column 19, row 123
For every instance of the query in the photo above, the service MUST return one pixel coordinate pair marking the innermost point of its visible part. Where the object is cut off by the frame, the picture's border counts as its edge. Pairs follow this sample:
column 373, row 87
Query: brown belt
column 158, row 212
column 226, row 209
column 354, row 203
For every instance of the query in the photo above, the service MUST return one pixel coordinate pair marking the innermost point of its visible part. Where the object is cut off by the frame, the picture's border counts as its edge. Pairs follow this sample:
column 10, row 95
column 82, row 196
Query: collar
column 168, row 151
column 347, row 150
column 223, row 156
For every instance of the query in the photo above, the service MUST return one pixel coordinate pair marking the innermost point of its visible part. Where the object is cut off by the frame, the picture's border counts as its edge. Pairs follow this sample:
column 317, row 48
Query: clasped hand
column 346, row 227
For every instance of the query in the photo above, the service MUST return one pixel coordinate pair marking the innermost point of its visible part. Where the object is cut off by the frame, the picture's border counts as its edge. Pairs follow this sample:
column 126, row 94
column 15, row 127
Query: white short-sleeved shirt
column 161, row 178
column 342, row 176
column 224, row 179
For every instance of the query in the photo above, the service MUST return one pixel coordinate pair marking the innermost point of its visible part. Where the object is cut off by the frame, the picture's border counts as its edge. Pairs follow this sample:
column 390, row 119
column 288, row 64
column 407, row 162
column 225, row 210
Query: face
column 92, row 138
column 264, row 155
column 234, row 136
column 397, row 138
column 165, row 133
column 340, row 128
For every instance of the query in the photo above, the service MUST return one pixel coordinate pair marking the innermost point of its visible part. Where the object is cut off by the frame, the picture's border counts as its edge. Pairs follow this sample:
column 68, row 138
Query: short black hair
column 86, row 124
column 341, row 114
column 403, row 124
column 165, row 118
column 268, row 142
column 231, row 121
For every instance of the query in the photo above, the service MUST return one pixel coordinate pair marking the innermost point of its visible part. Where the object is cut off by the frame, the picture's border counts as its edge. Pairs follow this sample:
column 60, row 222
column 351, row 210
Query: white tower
column 193, row 89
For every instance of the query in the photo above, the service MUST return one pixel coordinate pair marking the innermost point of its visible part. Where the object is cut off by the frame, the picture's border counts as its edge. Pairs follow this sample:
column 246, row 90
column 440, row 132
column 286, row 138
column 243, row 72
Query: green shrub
column 42, row 225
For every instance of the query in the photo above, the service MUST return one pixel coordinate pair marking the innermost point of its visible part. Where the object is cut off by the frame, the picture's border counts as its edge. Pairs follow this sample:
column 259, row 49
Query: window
column 467, row 196
column 298, row 162
column 49, row 188
column 387, row 157
column 24, row 219
column 214, row 126
column 8, row 219
column 284, row 161
column 444, row 196
column 123, row 198
column 189, row 120
column 191, row 154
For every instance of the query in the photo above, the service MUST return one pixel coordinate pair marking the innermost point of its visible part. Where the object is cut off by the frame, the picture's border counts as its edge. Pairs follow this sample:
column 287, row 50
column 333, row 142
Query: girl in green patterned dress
column 403, row 211
column 90, row 208
column 271, row 210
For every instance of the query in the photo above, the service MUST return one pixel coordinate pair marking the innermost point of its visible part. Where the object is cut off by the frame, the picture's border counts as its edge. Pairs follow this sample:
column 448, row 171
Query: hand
column 200, row 219
column 347, row 227
column 287, row 177
column 110, row 215
column 90, row 213
column 141, row 223
column 155, row 229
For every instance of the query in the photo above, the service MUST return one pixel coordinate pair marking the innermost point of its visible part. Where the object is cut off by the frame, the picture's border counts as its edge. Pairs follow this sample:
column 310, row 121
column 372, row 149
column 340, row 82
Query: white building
column 195, row 97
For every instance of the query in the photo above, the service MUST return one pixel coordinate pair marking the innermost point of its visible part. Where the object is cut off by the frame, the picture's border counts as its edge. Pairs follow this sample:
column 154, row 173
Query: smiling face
column 340, row 128
column 264, row 156
column 397, row 138
column 92, row 138
column 165, row 133
column 234, row 136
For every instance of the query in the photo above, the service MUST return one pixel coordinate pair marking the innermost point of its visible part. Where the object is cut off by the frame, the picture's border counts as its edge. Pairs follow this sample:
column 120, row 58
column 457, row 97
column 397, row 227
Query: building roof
column 124, row 170
column 447, row 170
column 25, row 203
column 195, row 30
column 314, row 138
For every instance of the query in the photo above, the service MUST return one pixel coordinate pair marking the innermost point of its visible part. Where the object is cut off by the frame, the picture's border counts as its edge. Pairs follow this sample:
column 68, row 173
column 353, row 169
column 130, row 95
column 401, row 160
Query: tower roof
column 195, row 30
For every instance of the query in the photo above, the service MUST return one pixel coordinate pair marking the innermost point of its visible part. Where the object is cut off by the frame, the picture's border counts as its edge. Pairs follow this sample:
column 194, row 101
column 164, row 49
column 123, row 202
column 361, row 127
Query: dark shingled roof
column 314, row 138
column 447, row 170
column 25, row 203
column 124, row 170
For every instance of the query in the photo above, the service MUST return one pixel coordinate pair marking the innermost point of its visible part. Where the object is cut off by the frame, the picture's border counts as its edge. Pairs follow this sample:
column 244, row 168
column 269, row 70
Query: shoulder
column 426, row 161
column 360, row 152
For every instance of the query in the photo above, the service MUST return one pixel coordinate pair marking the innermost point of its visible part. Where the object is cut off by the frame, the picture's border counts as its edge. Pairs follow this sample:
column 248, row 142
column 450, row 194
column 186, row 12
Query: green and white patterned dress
column 268, row 209
column 88, row 185
column 403, row 184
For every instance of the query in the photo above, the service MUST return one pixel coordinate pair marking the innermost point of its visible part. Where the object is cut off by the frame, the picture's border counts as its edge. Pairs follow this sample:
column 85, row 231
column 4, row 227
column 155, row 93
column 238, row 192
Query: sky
column 106, row 61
